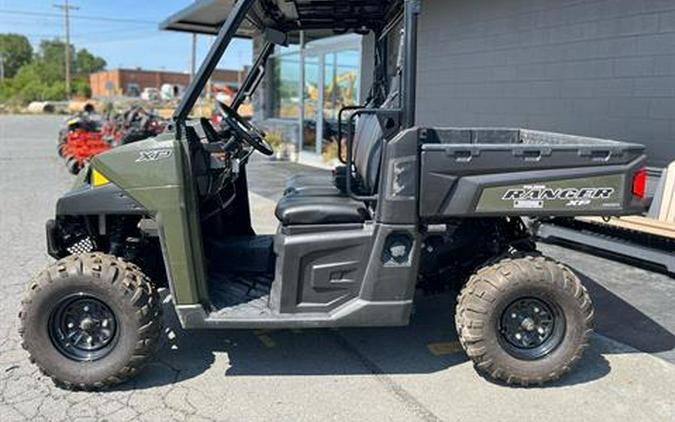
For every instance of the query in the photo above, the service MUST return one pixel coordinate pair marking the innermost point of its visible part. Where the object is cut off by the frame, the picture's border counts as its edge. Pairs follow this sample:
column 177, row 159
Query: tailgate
column 514, row 172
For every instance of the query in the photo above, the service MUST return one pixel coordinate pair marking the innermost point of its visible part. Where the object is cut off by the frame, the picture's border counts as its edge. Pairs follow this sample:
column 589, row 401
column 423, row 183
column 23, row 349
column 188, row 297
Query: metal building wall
column 593, row 67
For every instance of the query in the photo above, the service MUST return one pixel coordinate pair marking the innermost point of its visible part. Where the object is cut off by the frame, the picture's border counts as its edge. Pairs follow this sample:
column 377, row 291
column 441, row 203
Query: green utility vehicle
column 412, row 206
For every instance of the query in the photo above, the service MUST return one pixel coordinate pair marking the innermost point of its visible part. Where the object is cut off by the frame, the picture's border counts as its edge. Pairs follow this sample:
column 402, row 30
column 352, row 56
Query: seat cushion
column 292, row 210
column 311, row 184
column 314, row 190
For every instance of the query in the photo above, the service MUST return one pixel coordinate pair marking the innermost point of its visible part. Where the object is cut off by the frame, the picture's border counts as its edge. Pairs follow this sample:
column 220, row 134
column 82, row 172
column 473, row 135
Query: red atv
column 80, row 146
column 80, row 139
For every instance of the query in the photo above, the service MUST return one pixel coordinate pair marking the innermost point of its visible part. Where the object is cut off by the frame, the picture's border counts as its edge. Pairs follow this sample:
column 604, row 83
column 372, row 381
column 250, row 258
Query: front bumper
column 54, row 248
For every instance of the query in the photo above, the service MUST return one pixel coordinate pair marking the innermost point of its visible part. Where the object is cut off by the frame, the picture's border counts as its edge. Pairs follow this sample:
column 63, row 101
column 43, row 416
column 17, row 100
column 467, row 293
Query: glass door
column 341, row 89
column 331, row 81
column 312, row 93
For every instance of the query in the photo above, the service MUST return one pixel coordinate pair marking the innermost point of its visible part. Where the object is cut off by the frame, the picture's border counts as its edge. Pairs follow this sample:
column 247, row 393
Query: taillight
column 639, row 183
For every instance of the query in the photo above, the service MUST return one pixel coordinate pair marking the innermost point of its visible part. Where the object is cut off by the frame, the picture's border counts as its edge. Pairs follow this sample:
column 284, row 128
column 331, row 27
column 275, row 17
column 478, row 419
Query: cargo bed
column 516, row 172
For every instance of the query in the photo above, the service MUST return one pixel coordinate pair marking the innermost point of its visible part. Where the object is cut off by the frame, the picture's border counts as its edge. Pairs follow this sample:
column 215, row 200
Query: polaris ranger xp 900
column 410, row 206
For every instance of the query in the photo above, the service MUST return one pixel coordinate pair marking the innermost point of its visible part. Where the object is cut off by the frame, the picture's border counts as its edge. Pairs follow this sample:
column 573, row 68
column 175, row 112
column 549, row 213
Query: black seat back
column 368, row 136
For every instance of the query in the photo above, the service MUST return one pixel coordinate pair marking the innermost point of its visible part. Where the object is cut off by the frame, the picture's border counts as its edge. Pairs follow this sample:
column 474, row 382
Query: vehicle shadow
column 613, row 256
column 619, row 320
column 427, row 345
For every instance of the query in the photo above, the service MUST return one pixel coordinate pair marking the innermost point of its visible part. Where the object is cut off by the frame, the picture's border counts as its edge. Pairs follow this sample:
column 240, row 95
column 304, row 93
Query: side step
column 610, row 244
column 255, row 313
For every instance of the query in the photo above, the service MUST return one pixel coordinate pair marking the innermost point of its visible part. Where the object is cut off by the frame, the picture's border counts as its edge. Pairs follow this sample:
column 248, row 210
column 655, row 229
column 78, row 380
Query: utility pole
column 66, row 19
column 193, row 57
column 2, row 66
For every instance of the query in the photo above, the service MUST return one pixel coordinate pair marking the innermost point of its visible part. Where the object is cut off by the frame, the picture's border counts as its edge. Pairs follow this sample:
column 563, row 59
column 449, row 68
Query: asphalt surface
column 409, row 373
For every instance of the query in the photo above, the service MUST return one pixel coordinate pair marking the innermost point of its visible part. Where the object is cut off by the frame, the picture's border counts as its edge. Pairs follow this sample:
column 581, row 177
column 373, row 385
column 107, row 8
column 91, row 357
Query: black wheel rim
column 531, row 328
column 83, row 328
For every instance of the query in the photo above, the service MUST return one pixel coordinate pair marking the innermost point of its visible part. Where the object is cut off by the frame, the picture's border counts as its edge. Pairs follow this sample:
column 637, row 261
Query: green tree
column 51, row 58
column 16, row 51
column 42, row 78
column 81, row 87
column 88, row 63
column 27, row 85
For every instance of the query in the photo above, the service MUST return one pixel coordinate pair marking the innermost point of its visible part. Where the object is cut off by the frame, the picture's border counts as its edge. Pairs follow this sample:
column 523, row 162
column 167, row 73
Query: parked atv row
column 88, row 133
column 132, row 125
column 81, row 138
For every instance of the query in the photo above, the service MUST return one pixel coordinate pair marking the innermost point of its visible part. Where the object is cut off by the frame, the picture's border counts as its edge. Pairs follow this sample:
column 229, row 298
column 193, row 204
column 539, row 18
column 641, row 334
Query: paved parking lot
column 411, row 373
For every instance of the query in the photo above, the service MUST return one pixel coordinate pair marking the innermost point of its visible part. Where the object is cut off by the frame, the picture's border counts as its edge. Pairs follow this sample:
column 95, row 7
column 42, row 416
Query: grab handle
column 531, row 154
column 462, row 155
column 597, row 154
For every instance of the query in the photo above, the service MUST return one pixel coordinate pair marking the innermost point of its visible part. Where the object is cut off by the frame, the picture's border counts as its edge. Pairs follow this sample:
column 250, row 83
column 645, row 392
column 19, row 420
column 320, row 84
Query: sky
column 132, row 39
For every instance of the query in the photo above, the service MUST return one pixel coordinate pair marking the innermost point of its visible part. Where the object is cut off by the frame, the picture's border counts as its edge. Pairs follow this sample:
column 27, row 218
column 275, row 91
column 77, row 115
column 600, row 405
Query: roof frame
column 327, row 16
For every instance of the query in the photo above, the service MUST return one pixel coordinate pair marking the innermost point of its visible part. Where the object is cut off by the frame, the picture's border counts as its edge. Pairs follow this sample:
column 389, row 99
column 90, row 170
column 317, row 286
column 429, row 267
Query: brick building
column 131, row 82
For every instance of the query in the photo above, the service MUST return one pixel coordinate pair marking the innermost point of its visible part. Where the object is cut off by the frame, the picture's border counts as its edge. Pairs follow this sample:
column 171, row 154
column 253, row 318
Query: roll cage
column 280, row 20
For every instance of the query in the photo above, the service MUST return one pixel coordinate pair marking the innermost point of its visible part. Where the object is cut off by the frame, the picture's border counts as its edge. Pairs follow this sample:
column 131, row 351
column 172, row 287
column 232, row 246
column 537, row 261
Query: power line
column 125, row 38
column 76, row 16
column 87, row 36
column 66, row 11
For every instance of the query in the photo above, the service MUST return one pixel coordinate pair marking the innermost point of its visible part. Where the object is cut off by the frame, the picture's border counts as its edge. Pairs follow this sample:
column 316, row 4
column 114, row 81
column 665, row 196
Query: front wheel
column 90, row 321
column 73, row 165
column 524, row 320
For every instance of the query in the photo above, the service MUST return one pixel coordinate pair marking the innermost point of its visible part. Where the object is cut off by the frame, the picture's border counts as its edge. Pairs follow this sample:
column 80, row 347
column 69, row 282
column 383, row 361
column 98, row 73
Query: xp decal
column 154, row 155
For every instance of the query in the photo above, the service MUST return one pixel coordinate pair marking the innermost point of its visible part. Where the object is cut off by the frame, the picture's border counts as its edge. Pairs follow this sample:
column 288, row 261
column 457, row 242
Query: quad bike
column 411, row 204
column 111, row 127
column 134, row 124
column 80, row 139
column 87, row 120
column 115, row 127
column 138, row 124
column 80, row 146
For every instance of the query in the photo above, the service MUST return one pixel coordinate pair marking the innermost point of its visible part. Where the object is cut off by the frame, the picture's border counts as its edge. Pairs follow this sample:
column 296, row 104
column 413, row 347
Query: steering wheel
column 244, row 129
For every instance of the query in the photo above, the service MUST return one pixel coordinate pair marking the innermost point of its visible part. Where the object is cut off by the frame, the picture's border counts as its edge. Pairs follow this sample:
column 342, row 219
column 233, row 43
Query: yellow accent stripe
column 97, row 179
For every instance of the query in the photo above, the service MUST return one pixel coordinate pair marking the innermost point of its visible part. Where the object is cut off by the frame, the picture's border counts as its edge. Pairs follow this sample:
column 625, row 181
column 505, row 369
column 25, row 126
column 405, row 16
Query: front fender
column 108, row 199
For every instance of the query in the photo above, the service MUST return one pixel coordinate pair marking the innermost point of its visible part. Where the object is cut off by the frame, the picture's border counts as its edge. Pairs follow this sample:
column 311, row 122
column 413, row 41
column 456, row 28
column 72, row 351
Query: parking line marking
column 444, row 348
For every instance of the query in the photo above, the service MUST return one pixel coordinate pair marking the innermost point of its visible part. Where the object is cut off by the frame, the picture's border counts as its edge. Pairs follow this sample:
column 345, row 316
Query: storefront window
column 341, row 82
column 285, row 97
column 331, row 82
column 311, row 92
column 291, row 48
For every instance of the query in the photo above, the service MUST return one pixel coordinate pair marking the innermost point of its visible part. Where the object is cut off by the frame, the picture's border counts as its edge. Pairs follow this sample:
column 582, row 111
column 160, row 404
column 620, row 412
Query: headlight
column 97, row 179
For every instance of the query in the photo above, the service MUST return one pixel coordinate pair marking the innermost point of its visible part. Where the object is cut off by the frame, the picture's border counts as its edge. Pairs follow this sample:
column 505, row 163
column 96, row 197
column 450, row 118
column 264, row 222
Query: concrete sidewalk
column 396, row 374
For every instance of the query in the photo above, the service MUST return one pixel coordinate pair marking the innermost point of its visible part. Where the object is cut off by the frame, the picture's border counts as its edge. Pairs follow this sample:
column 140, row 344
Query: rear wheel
column 90, row 321
column 524, row 320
